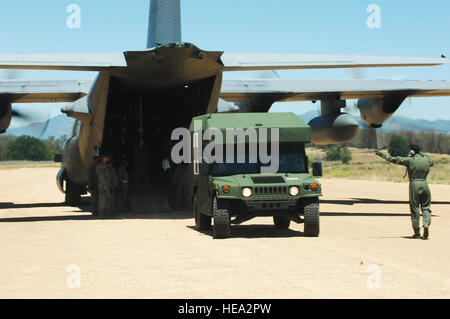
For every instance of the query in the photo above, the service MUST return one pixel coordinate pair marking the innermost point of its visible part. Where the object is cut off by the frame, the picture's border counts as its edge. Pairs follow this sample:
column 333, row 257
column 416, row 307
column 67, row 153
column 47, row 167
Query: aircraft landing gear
column 73, row 194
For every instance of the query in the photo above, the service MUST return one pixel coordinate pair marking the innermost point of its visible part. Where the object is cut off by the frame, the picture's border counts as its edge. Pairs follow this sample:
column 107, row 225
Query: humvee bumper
column 270, row 205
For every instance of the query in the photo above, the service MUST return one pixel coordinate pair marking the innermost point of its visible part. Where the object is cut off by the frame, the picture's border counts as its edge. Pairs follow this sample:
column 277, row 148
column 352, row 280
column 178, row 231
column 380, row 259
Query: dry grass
column 365, row 165
column 4, row 165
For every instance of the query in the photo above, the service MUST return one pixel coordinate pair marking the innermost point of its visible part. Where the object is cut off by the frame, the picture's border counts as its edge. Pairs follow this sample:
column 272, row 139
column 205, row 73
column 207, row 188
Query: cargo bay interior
column 151, row 117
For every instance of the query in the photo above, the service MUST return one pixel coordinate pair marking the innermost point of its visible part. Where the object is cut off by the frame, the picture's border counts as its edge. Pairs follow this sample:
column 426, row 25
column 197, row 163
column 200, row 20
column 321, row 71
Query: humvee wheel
column 222, row 222
column 73, row 194
column 281, row 222
column 202, row 221
column 312, row 215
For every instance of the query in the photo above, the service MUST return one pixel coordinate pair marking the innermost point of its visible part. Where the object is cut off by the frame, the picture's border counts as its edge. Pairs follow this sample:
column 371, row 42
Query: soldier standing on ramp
column 93, row 184
column 107, row 185
column 418, row 166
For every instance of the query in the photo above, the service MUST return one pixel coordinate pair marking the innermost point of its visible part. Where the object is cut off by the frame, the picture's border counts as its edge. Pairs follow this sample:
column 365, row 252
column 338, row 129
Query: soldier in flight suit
column 93, row 184
column 107, row 185
column 418, row 166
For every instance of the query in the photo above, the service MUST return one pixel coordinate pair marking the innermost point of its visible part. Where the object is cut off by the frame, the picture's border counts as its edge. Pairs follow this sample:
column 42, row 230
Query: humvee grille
column 270, row 190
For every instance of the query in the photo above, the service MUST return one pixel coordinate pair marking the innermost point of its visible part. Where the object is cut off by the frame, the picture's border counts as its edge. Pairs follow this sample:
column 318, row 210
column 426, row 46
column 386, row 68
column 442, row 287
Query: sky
column 414, row 28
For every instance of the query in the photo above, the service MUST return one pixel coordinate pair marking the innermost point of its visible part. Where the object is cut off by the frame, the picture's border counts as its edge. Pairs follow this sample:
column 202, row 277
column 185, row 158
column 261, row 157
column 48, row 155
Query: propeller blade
column 37, row 126
column 21, row 116
column 16, row 114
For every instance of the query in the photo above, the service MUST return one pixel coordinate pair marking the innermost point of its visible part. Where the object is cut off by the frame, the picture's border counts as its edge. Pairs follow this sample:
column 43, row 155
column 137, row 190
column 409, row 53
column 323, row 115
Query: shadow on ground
column 82, row 212
column 34, row 205
column 265, row 231
column 400, row 237
column 354, row 201
column 356, row 214
column 255, row 231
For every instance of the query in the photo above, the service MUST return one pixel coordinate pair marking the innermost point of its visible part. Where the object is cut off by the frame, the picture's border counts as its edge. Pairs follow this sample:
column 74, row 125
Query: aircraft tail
column 164, row 23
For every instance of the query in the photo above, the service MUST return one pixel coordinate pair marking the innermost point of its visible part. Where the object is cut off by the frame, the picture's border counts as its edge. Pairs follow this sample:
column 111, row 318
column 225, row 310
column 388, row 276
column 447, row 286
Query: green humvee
column 238, row 188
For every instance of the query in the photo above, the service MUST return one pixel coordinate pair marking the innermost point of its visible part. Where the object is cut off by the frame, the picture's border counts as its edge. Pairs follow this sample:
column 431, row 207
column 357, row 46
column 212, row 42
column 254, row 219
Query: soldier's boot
column 425, row 233
column 416, row 233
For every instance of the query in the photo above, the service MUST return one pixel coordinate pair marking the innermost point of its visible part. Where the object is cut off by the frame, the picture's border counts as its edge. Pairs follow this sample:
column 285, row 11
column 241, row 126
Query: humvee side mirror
column 204, row 168
column 317, row 169
column 58, row 158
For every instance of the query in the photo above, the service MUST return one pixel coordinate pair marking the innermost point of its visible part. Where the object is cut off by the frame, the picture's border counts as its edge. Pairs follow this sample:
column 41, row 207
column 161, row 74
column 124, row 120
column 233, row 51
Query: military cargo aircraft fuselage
column 159, row 90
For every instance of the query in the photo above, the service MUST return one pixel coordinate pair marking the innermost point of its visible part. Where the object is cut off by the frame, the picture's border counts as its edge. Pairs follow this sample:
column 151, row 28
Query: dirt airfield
column 48, row 250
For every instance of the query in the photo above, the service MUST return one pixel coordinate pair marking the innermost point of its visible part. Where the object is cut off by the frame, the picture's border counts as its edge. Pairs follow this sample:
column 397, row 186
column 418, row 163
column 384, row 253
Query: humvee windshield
column 292, row 159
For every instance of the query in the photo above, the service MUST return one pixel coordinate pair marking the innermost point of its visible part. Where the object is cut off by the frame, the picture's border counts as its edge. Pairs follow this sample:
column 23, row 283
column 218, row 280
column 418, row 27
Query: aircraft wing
column 231, row 61
column 273, row 61
column 64, row 61
column 286, row 90
column 21, row 91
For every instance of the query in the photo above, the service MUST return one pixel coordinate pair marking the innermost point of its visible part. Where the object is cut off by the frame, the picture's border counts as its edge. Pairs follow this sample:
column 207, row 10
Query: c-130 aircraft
column 146, row 94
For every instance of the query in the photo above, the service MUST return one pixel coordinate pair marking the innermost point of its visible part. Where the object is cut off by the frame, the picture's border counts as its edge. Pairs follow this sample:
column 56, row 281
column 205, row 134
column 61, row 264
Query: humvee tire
column 281, row 222
column 202, row 221
column 222, row 222
column 73, row 194
column 312, row 215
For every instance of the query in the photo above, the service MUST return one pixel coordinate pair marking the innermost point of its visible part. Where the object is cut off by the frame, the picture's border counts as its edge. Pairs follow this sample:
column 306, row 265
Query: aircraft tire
column 73, row 194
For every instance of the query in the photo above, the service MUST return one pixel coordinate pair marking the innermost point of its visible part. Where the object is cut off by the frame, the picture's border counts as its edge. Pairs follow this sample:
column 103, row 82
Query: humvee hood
column 263, row 179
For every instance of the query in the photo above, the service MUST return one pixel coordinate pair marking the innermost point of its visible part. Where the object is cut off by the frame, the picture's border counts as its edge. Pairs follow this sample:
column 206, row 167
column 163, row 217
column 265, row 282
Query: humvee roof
column 291, row 127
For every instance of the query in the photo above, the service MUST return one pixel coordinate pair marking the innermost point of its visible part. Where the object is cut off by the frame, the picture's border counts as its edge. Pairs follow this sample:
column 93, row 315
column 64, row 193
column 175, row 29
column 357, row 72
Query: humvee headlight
column 247, row 192
column 293, row 190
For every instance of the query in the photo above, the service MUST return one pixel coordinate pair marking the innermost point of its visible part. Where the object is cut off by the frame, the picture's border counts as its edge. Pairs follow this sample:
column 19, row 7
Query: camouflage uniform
column 418, row 167
column 93, row 187
column 122, row 190
column 107, row 184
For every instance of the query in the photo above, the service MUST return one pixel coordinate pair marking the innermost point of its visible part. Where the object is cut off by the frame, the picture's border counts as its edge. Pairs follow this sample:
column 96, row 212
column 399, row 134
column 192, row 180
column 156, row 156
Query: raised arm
column 399, row 160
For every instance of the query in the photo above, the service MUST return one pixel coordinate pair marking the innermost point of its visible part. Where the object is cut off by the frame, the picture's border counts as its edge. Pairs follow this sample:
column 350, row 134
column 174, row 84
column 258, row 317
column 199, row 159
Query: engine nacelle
column 374, row 112
column 333, row 128
column 5, row 116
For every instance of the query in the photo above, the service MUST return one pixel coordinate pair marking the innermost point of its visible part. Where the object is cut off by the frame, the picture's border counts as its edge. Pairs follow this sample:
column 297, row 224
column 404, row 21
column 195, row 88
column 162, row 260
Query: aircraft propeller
column 25, row 118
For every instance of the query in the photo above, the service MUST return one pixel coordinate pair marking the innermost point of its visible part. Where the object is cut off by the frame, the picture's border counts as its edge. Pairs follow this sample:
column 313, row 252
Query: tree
column 28, row 148
column 361, row 140
column 55, row 146
column 398, row 146
column 346, row 155
column 429, row 141
column 339, row 153
column 333, row 153
column 4, row 140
